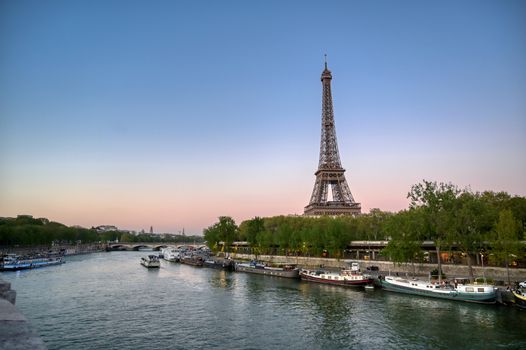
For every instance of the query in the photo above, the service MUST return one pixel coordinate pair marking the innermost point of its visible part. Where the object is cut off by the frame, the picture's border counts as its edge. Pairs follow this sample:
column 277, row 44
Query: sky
column 173, row 113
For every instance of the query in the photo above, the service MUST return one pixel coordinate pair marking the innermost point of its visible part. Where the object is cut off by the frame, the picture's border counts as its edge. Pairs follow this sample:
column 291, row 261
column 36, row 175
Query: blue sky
column 172, row 113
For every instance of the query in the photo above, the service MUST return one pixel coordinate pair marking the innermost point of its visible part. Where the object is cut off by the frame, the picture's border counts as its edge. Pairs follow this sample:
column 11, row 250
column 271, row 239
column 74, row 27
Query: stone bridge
column 155, row 246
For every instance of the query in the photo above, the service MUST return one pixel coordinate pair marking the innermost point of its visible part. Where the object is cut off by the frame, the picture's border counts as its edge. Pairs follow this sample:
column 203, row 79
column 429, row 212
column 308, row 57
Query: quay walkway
column 15, row 330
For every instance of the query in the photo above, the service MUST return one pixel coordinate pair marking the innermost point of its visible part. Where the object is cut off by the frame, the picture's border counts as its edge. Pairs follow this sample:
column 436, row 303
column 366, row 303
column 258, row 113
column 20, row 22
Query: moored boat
column 150, row 261
column 519, row 298
column 171, row 254
column 476, row 293
column 14, row 263
column 287, row 271
column 194, row 260
column 346, row 277
column 219, row 263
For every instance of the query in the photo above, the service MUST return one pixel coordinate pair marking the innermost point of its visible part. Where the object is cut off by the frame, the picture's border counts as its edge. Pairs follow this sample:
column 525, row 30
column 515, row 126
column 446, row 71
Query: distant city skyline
column 173, row 113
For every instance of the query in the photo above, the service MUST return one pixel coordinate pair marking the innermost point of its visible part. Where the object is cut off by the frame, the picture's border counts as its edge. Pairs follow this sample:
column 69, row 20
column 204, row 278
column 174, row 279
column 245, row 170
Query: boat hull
column 192, row 261
column 220, row 264
column 269, row 271
column 151, row 265
column 520, row 300
column 26, row 265
column 337, row 282
column 484, row 298
column 171, row 258
column 151, row 261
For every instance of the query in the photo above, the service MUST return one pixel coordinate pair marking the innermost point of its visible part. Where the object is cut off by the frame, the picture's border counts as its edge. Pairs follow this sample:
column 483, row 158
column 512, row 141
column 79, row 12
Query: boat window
column 481, row 290
column 470, row 289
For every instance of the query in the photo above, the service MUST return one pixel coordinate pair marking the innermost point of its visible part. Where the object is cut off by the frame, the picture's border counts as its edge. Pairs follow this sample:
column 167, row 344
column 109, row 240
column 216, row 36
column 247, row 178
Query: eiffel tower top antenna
column 325, row 61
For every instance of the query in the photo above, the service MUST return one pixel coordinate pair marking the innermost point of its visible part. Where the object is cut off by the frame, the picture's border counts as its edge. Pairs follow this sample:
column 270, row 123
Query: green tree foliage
column 437, row 201
column 457, row 218
column 249, row 229
column 406, row 231
column 225, row 230
column 293, row 235
column 372, row 225
column 471, row 220
column 25, row 230
column 505, row 243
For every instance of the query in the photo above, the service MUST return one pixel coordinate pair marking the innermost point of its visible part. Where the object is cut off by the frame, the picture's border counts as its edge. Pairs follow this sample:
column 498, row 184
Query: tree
column 250, row 230
column 437, row 203
column 377, row 218
column 506, row 242
column 518, row 207
column 471, row 220
column 406, row 235
column 126, row 237
column 225, row 231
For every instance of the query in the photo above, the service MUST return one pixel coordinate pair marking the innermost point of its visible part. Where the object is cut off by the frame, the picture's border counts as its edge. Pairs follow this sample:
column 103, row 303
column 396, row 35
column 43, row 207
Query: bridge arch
column 118, row 247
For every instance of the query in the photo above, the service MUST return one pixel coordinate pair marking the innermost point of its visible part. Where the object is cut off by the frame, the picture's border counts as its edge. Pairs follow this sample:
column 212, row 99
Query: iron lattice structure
column 330, row 175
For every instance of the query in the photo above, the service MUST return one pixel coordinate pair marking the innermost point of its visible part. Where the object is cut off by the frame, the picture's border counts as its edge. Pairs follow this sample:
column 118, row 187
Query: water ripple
column 109, row 301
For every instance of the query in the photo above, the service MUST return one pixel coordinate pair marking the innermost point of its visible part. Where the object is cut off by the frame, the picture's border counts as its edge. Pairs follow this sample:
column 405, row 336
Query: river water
column 110, row 301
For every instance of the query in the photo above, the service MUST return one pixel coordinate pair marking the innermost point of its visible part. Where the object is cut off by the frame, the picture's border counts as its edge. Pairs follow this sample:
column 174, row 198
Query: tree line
column 492, row 223
column 24, row 230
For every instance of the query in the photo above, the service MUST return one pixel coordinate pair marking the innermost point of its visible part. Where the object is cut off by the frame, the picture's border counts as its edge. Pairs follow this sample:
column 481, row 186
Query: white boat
column 171, row 254
column 150, row 261
column 461, row 290
column 13, row 262
column 346, row 277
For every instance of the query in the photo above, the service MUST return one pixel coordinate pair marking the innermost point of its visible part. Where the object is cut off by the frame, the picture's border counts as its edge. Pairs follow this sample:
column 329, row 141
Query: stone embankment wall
column 15, row 330
column 66, row 249
column 6, row 292
column 495, row 273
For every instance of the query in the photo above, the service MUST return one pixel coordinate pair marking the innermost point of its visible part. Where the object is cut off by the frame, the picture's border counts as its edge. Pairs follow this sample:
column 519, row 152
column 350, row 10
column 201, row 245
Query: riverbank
column 497, row 274
column 56, row 249
column 16, row 332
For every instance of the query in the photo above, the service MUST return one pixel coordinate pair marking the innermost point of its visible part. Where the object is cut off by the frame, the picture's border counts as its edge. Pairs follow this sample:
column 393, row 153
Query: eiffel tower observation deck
column 331, row 194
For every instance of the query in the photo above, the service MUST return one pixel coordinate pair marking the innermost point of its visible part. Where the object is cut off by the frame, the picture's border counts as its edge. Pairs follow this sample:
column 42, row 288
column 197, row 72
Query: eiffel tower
column 329, row 176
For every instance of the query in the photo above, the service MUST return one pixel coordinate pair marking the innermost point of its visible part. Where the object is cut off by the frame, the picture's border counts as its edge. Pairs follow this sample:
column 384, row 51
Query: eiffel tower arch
column 330, row 178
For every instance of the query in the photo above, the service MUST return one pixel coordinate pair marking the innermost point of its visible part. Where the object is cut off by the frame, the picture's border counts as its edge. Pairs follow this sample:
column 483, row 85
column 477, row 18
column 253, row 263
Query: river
column 109, row 301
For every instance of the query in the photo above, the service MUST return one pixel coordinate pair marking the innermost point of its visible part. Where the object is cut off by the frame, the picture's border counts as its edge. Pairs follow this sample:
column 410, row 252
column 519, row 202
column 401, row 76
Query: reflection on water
column 222, row 279
column 108, row 301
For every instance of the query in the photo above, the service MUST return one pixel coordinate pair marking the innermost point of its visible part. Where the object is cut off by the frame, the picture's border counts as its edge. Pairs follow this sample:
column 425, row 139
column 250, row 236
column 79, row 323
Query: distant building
column 106, row 228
